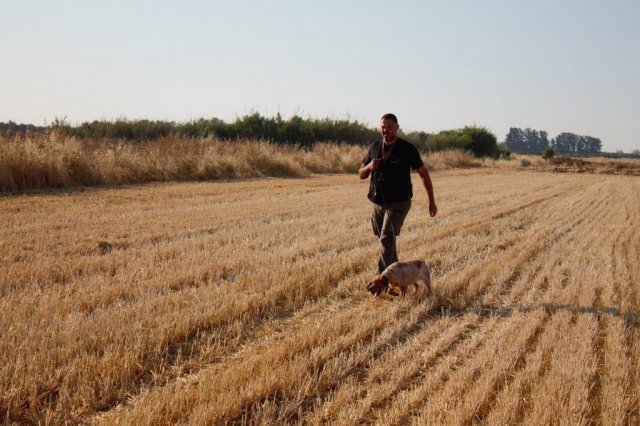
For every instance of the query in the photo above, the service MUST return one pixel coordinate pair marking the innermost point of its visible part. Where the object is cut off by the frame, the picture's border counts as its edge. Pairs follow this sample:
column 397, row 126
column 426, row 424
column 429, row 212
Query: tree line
column 531, row 141
column 295, row 130
column 12, row 127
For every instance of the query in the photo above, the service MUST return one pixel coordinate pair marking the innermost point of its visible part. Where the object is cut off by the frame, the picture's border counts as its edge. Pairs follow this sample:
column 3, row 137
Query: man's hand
column 433, row 209
column 373, row 166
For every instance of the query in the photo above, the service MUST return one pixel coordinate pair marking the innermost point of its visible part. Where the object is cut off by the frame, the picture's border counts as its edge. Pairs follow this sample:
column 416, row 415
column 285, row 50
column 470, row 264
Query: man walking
column 389, row 162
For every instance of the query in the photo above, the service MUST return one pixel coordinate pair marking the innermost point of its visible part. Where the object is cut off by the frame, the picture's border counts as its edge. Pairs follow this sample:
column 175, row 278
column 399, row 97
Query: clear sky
column 553, row 65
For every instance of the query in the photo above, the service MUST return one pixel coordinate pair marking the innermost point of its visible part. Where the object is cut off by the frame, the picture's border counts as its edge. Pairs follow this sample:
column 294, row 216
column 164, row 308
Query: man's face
column 389, row 130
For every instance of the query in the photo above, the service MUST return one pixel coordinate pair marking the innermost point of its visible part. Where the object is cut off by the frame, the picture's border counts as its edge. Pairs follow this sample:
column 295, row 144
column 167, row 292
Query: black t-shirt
column 394, row 178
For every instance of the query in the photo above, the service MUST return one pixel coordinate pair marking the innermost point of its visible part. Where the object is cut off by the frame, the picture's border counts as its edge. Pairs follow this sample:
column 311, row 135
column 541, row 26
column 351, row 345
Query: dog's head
column 378, row 284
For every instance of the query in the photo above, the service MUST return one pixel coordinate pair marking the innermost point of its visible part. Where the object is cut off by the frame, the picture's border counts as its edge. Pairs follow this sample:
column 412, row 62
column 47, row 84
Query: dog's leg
column 428, row 285
column 393, row 290
column 427, row 279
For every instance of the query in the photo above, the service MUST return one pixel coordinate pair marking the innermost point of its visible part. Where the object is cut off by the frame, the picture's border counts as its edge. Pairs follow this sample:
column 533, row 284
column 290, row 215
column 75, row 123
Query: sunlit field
column 244, row 302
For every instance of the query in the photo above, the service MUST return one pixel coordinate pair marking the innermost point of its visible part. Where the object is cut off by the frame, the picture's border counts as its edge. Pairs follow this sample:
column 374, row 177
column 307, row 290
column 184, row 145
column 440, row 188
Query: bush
column 481, row 142
column 477, row 140
column 525, row 163
column 548, row 153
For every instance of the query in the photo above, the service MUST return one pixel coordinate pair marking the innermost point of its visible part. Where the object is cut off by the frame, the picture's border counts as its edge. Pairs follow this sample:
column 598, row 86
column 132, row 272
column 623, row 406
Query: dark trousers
column 387, row 220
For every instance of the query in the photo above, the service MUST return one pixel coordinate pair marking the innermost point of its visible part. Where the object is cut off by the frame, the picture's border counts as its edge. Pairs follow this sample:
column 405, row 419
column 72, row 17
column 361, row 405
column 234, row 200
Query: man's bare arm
column 428, row 185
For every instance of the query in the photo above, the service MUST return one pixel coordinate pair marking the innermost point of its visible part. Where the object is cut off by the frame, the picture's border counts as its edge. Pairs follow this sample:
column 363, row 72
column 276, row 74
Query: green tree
column 527, row 141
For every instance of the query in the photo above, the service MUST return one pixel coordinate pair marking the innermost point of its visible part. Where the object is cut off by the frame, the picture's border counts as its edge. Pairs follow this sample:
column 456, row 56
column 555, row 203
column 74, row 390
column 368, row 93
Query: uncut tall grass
column 51, row 161
column 54, row 161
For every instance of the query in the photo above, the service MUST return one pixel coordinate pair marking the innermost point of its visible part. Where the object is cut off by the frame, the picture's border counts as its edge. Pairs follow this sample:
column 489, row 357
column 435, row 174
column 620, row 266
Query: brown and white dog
column 399, row 276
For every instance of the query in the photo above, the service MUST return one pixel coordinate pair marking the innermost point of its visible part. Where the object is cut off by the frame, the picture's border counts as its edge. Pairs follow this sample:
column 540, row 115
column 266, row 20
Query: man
column 389, row 162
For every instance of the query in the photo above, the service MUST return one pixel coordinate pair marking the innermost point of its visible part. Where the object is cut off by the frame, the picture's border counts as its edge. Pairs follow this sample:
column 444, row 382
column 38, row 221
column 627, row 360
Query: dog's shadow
column 440, row 303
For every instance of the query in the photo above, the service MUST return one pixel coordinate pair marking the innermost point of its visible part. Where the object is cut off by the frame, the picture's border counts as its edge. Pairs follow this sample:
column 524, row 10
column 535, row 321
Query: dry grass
column 443, row 160
column 245, row 302
column 51, row 161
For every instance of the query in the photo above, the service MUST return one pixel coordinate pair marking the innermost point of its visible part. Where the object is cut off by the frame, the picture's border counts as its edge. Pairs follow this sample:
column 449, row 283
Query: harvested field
column 599, row 165
column 244, row 302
